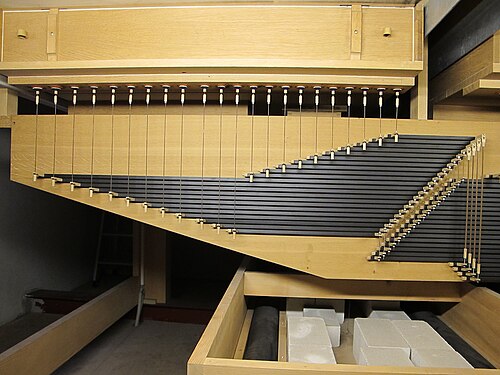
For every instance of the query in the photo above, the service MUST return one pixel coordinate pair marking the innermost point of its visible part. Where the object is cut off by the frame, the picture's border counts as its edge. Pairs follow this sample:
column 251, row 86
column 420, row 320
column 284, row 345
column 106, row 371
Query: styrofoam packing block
column 384, row 357
column 334, row 335
column 447, row 358
column 379, row 333
column 307, row 331
column 388, row 314
column 311, row 354
column 337, row 304
column 420, row 335
column 368, row 306
column 293, row 313
column 331, row 321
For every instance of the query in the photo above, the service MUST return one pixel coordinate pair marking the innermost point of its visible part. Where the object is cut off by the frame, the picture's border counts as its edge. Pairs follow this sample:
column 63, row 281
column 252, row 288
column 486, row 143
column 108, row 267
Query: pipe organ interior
column 297, row 134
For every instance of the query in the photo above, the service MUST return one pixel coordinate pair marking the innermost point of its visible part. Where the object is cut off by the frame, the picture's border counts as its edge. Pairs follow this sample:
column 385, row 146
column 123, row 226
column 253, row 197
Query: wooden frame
column 46, row 350
column 216, row 352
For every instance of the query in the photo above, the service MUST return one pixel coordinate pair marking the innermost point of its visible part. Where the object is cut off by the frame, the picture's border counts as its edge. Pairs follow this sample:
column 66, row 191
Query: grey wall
column 45, row 241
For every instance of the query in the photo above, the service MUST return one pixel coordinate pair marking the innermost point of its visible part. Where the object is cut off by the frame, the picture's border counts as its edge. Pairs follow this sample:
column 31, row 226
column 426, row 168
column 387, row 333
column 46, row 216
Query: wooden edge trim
column 242, row 341
column 49, row 348
column 308, row 286
column 6, row 122
column 216, row 324
column 282, row 338
column 219, row 366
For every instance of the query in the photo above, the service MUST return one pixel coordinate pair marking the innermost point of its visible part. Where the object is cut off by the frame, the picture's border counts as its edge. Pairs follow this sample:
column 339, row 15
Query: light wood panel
column 24, row 142
column 245, row 330
column 221, row 336
column 477, row 320
column 306, row 286
column 219, row 366
column 34, row 47
column 49, row 348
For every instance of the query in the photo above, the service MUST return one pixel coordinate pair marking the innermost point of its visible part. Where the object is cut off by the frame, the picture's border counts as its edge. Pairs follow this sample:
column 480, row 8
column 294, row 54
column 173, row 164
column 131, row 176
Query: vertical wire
column 252, row 99
column 332, row 103
column 237, row 102
column 466, row 236
column 268, row 100
column 37, row 110
column 396, row 135
column 56, row 92
column 380, row 104
column 471, row 202
column 221, row 101
column 203, row 124
column 181, row 167
column 285, row 103
column 75, row 92
column 113, row 98
column 349, row 102
column 301, row 90
column 130, row 100
column 94, row 91
column 316, row 108
column 365, row 102
column 165, row 101
column 478, row 150
column 478, row 265
column 148, row 99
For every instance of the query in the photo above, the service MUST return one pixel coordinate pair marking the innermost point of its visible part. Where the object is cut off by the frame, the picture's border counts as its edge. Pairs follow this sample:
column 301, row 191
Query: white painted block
column 384, row 357
column 378, row 333
column 334, row 335
column 447, row 358
column 388, row 314
column 311, row 354
column 420, row 335
column 293, row 313
column 297, row 304
column 307, row 331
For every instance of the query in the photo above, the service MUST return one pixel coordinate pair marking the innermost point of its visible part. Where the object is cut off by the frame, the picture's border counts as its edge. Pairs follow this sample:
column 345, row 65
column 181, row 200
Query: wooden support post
column 46, row 350
column 420, row 93
column 52, row 34
column 356, row 24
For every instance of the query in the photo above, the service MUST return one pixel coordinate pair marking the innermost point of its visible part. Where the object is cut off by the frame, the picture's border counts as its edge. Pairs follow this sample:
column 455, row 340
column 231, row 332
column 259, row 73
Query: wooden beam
column 46, row 350
column 220, row 366
column 242, row 341
column 477, row 320
column 307, row 286
column 222, row 334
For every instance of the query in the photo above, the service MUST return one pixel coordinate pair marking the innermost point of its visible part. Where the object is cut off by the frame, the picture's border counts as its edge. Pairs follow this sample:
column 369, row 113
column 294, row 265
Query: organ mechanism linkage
column 222, row 201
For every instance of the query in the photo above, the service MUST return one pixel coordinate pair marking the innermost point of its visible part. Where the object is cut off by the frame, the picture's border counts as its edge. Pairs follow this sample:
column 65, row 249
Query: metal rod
column 37, row 110
column 128, row 199
column 333, row 89
column 165, row 102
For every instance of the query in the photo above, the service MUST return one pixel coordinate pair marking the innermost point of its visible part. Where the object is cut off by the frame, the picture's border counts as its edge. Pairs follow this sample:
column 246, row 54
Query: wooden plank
column 419, row 99
column 307, row 286
column 46, row 350
column 242, row 341
column 155, row 263
column 476, row 319
column 8, row 104
column 219, row 366
column 6, row 122
column 282, row 338
column 221, row 336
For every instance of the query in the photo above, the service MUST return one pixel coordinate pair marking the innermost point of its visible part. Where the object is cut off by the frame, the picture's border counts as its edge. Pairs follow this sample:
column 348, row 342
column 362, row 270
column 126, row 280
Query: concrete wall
column 45, row 241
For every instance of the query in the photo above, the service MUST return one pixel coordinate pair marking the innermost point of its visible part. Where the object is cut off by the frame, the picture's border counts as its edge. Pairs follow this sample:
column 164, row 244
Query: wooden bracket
column 52, row 34
column 356, row 24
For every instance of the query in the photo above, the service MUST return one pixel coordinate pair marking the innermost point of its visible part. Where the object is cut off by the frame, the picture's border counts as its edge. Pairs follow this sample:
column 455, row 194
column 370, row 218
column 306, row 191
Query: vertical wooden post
column 52, row 34
column 356, row 25
column 420, row 92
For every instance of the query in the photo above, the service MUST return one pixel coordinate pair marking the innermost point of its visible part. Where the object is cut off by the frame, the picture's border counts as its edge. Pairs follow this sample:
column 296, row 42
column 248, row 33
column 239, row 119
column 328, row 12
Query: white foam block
column 420, row 335
column 337, row 304
column 331, row 321
column 307, row 331
column 438, row 358
column 384, row 357
column 311, row 354
column 379, row 333
column 387, row 314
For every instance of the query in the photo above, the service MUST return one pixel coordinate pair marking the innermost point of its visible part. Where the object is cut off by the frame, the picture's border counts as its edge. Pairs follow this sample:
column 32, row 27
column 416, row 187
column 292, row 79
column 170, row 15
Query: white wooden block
column 307, row 331
column 420, row 335
column 334, row 335
column 379, row 333
column 311, row 354
column 388, row 314
column 384, row 357
column 293, row 313
column 447, row 358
